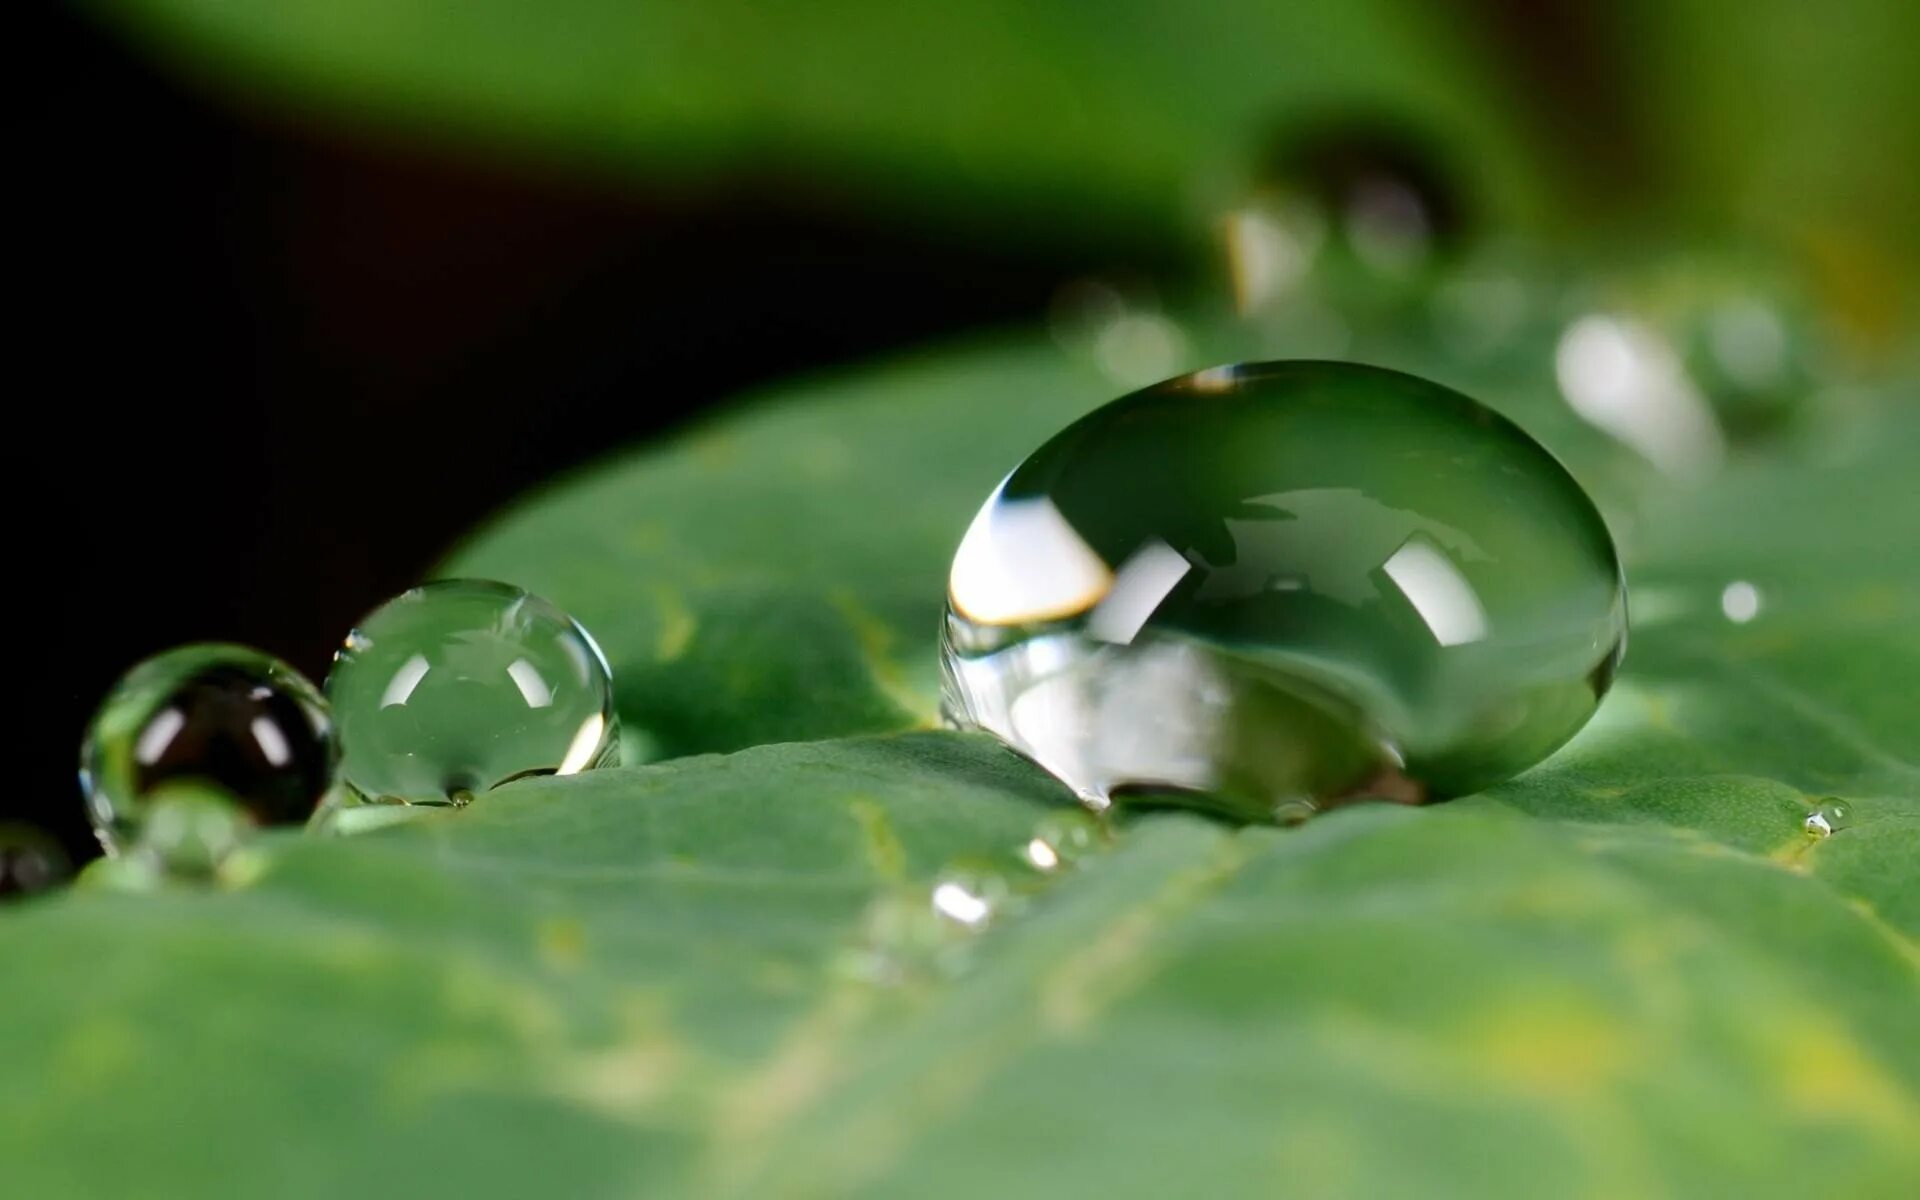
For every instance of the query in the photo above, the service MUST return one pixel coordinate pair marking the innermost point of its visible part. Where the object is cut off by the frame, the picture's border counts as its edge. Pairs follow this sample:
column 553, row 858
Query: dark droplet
column 258, row 743
column 216, row 718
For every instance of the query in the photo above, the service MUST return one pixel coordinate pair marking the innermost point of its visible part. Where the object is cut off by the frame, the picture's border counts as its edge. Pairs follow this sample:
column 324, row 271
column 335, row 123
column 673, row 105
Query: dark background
column 285, row 370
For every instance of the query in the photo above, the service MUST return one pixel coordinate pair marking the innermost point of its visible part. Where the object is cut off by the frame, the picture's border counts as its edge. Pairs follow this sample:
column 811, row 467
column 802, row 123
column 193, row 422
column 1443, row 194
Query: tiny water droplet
column 913, row 934
column 1740, row 601
column 218, row 717
column 902, row 941
column 971, row 895
column 460, row 686
column 1284, row 581
column 1829, row 818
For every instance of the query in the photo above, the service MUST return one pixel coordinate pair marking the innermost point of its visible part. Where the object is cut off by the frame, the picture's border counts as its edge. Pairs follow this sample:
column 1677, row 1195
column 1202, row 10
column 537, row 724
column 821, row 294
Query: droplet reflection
column 1831, row 817
column 1281, row 583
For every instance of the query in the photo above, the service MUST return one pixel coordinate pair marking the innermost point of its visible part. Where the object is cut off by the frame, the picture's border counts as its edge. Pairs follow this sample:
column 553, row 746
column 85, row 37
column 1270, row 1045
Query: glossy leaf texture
column 1630, row 971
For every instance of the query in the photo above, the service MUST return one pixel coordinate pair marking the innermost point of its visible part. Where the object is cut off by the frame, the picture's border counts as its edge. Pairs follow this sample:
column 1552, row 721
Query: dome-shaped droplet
column 215, row 716
column 462, row 685
column 1828, row 818
column 1269, row 587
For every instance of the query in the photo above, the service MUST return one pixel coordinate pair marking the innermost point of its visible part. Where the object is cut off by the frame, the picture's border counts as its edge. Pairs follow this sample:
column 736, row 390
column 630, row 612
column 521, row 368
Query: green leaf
column 1841, row 111
column 996, row 115
column 1629, row 971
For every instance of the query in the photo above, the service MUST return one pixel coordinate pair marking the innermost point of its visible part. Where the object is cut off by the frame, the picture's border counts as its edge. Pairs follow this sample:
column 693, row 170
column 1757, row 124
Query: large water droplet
column 218, row 716
column 1829, row 818
column 460, row 686
column 1275, row 586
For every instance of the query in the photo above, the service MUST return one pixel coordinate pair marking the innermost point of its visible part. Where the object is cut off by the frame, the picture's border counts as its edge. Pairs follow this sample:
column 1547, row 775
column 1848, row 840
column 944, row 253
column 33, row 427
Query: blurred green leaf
column 1628, row 972
column 1802, row 121
column 1033, row 118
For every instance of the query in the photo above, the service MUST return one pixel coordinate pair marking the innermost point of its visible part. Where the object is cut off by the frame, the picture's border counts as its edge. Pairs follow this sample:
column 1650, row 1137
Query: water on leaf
column 1274, row 586
column 218, row 717
column 459, row 686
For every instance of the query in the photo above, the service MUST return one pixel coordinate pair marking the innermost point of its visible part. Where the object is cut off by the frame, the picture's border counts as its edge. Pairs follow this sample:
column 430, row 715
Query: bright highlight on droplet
column 1139, row 586
column 1828, row 819
column 1021, row 561
column 1740, row 601
column 585, row 745
column 400, row 688
column 1041, row 856
column 158, row 735
column 533, row 689
column 1438, row 592
column 954, row 901
column 271, row 741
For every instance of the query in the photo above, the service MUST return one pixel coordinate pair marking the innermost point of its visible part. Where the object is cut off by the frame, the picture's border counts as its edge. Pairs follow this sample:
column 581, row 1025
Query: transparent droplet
column 1267, row 588
column 903, row 941
column 1829, row 818
column 1386, row 203
column 456, row 687
column 1062, row 840
column 217, row 716
column 30, row 861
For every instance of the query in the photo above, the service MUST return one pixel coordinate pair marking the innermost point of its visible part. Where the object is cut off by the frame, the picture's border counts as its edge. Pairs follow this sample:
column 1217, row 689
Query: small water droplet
column 1740, row 601
column 219, row 717
column 1829, row 818
column 1293, row 811
column 1284, row 581
column 971, row 895
column 460, row 686
column 913, row 934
